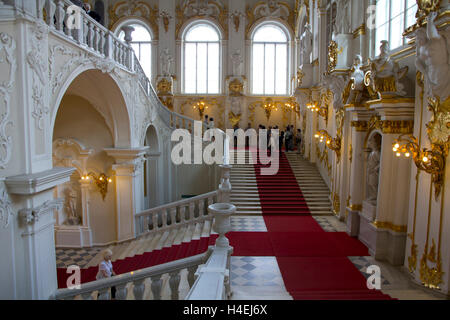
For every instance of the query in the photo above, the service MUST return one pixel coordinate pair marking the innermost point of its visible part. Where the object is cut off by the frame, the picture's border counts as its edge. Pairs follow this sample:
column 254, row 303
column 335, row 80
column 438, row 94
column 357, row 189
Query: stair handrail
column 168, row 211
column 137, row 277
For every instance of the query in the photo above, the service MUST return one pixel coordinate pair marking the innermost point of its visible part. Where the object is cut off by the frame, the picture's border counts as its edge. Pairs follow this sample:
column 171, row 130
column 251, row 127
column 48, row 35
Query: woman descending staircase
column 314, row 189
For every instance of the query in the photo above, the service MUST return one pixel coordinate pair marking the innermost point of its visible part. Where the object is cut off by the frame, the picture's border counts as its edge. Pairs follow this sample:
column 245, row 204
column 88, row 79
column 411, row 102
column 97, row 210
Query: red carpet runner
column 313, row 263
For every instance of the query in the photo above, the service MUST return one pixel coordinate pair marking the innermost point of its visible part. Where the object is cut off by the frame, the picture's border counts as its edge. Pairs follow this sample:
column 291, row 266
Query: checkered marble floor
column 248, row 224
column 79, row 257
column 362, row 263
column 330, row 223
column 256, row 271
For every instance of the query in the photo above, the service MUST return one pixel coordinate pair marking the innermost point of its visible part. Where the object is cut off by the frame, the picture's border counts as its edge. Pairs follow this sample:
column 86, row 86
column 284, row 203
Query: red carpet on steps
column 314, row 264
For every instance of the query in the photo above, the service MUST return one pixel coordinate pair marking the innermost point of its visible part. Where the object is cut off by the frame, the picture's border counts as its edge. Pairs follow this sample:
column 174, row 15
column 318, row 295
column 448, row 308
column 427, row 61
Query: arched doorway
column 153, row 193
column 91, row 116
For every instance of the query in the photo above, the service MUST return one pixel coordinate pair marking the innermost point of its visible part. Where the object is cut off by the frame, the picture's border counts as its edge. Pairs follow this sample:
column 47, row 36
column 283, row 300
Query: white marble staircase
column 311, row 183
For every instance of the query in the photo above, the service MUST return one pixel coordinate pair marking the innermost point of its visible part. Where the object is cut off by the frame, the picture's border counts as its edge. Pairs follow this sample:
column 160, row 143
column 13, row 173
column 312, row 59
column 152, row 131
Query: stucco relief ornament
column 336, row 84
column 433, row 58
column 306, row 41
column 236, row 59
column 7, row 54
column 6, row 210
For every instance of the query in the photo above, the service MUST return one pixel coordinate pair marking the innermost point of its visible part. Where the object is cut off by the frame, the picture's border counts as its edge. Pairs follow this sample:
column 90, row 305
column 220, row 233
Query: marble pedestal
column 73, row 237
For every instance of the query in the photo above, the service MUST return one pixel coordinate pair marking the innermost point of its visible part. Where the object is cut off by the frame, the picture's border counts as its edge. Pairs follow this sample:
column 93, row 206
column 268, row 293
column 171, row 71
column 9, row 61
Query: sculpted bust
column 373, row 168
column 432, row 59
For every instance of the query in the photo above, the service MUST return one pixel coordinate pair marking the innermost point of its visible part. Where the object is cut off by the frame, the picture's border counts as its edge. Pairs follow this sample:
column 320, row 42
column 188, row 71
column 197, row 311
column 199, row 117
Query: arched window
column 392, row 17
column 269, row 61
column 201, row 60
column 142, row 45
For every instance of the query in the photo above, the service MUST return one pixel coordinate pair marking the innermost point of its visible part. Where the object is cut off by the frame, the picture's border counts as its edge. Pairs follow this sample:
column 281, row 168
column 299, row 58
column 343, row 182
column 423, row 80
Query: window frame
column 184, row 42
column 130, row 22
column 287, row 33
column 404, row 13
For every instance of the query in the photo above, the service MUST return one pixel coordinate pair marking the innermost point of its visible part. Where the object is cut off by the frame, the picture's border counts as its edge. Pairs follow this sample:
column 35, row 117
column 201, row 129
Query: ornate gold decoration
column 332, row 56
column 100, row 181
column 355, row 207
column 300, row 76
column 431, row 277
column 360, row 126
column 438, row 129
column 234, row 119
column 236, row 88
column 167, row 101
column 164, row 87
column 389, row 226
column 360, row 31
column 323, row 158
column 166, row 17
column 194, row 9
column 201, row 106
column 326, row 99
column 315, row 63
column 425, row 7
column 277, row 10
column 412, row 259
column 135, row 9
column 236, row 19
column 334, row 144
column 269, row 105
column 336, row 204
column 431, row 161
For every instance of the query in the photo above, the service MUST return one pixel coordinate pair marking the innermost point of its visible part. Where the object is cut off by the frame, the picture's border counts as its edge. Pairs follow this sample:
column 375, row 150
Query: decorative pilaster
column 129, row 188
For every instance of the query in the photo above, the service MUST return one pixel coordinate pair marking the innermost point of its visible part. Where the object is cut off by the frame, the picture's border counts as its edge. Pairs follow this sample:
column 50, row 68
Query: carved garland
column 271, row 9
column 8, row 45
column 135, row 9
column 6, row 210
column 195, row 9
column 425, row 7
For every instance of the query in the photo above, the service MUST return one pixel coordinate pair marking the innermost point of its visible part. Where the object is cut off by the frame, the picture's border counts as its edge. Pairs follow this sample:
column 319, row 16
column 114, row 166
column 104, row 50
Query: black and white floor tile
column 256, row 272
column 79, row 257
column 248, row 224
column 362, row 263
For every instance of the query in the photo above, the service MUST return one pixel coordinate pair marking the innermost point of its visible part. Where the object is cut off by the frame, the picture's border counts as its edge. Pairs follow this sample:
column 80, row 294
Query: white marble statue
column 342, row 25
column 386, row 75
column 373, row 169
column 166, row 62
column 70, row 207
column 432, row 59
column 357, row 73
column 237, row 61
column 306, row 45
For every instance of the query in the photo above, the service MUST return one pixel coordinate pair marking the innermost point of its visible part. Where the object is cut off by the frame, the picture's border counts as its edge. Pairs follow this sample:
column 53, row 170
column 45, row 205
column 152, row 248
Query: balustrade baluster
column 173, row 216
column 60, row 16
column 191, row 211
column 201, row 208
column 91, row 35
column 138, row 290
column 40, row 9
column 183, row 219
column 191, row 275
column 156, row 287
column 87, row 296
column 50, row 9
column 97, row 38
column 141, row 224
column 102, row 42
column 121, row 292
column 155, row 221
column 103, row 294
column 164, row 218
column 174, row 283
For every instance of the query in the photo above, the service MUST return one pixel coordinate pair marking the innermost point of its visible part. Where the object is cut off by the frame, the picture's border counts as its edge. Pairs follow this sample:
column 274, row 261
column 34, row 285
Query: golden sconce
column 334, row 144
column 201, row 107
column 293, row 105
column 100, row 181
column 431, row 161
column 313, row 106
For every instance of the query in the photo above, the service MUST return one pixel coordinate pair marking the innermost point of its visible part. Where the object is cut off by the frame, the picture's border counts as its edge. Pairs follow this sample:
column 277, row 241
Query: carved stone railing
column 175, row 215
column 98, row 40
column 137, row 279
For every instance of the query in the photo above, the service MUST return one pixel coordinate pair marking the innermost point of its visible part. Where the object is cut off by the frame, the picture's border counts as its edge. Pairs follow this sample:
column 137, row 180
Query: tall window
column 201, row 60
column 142, row 46
column 270, row 61
column 392, row 18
